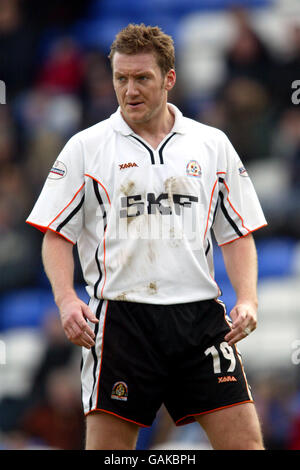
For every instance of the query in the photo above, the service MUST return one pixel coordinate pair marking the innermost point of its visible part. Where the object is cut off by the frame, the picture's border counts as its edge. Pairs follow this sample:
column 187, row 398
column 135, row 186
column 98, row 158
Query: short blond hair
column 136, row 39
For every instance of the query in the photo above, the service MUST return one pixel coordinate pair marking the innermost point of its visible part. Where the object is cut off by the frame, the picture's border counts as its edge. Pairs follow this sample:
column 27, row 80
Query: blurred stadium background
column 237, row 63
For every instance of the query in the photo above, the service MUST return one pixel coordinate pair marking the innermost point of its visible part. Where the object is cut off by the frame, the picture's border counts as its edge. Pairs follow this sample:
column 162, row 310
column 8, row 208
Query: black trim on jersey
column 71, row 215
column 100, row 274
column 208, row 248
column 215, row 212
column 146, row 146
column 93, row 351
column 224, row 210
column 232, row 223
column 99, row 198
column 163, row 146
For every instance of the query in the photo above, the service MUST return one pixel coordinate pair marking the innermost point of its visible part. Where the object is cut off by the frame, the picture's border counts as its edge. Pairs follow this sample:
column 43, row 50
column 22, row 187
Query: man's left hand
column 244, row 320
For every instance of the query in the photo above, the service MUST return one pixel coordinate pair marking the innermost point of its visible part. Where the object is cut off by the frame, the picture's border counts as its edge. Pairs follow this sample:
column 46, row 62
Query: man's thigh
column 108, row 432
column 233, row 428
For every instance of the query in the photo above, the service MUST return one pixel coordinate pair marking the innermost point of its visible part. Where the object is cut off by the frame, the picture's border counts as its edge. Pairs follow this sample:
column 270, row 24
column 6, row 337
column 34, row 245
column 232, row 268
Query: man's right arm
column 58, row 260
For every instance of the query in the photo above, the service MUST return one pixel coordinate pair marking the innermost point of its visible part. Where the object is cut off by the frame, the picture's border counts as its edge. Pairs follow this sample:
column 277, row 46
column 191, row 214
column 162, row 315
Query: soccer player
column 141, row 194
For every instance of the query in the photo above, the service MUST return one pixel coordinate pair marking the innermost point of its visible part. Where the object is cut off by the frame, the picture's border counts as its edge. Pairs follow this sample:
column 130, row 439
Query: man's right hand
column 74, row 313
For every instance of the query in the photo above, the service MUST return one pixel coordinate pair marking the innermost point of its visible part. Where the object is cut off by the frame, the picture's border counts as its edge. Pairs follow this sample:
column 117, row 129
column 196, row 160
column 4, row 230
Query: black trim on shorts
column 93, row 351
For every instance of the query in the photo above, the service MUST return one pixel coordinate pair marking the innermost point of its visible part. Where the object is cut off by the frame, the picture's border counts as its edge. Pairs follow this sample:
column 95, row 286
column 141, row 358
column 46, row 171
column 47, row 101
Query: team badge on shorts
column 193, row 168
column 119, row 391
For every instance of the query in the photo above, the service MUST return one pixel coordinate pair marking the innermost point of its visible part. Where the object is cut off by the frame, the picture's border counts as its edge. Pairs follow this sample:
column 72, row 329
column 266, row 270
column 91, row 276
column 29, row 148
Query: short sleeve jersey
column 143, row 218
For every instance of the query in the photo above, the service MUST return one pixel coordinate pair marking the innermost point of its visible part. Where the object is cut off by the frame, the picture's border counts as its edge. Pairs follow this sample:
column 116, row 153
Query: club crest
column 193, row 168
column 119, row 391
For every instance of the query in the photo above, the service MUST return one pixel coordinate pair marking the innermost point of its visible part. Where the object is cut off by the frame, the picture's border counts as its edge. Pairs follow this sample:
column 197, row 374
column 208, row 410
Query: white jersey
column 143, row 218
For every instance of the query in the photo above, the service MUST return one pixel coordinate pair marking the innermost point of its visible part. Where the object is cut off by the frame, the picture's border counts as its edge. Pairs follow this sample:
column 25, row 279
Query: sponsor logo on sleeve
column 243, row 171
column 58, row 171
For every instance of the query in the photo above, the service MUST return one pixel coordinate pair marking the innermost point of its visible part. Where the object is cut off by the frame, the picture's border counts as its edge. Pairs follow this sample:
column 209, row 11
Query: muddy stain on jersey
column 152, row 288
column 128, row 188
column 151, row 253
column 122, row 297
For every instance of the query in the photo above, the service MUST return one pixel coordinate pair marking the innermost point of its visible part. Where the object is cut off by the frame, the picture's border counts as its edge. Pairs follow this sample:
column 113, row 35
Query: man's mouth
column 134, row 104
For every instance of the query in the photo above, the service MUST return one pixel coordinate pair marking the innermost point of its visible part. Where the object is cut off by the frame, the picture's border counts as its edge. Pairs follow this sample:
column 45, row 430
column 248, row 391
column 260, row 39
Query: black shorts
column 146, row 355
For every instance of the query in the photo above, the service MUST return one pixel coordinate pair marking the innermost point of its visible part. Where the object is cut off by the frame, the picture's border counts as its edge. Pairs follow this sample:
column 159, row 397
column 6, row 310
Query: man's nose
column 131, row 88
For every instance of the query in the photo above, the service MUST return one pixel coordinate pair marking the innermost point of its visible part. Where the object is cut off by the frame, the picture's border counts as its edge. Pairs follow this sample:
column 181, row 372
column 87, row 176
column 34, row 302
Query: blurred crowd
column 56, row 87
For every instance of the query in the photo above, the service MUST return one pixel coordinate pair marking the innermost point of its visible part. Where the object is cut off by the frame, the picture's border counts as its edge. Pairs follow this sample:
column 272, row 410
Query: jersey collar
column 119, row 125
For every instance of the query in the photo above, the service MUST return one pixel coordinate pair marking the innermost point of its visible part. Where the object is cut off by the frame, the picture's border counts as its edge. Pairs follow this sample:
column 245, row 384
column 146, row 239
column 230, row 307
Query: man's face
column 140, row 86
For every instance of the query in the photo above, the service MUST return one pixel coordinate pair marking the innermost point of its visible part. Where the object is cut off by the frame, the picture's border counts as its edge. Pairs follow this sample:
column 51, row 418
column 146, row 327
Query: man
column 140, row 193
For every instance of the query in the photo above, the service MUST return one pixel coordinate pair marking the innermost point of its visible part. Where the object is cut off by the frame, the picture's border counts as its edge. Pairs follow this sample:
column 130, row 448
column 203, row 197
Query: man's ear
column 170, row 79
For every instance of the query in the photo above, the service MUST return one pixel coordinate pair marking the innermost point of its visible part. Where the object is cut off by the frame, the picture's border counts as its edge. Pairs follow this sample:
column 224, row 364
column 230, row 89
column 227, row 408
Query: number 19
column 228, row 354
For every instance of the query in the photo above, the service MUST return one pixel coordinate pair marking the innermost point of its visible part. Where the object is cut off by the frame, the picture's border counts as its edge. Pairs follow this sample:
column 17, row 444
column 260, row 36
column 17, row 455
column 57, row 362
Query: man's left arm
column 240, row 258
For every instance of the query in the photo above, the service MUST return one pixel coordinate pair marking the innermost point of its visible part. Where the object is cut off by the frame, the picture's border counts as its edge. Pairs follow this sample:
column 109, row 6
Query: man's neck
column 155, row 130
